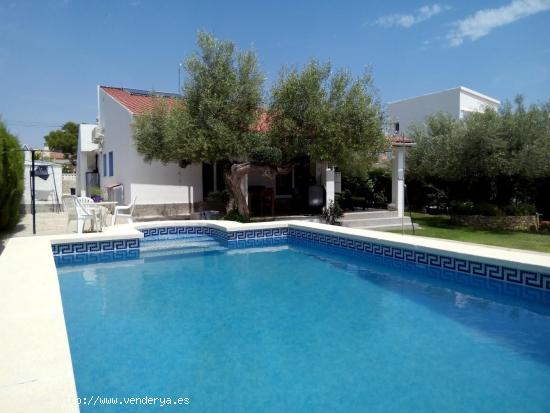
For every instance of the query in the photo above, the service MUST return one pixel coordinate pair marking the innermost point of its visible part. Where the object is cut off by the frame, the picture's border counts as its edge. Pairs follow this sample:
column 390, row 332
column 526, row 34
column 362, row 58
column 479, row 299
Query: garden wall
column 521, row 223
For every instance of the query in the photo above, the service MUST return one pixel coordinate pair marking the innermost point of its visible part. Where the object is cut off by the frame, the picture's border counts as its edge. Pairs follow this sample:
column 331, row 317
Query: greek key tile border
column 95, row 246
column 487, row 270
column 492, row 271
column 83, row 259
column 161, row 233
column 220, row 235
column 279, row 233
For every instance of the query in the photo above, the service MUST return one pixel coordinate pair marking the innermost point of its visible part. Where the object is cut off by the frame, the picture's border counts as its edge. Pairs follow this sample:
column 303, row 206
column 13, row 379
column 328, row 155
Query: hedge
column 12, row 167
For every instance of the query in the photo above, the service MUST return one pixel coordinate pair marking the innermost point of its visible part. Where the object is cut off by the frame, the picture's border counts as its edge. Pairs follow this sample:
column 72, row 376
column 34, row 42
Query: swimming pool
column 285, row 325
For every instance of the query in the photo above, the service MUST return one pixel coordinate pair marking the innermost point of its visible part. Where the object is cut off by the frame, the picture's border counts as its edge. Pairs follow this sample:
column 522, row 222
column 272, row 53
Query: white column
column 190, row 198
column 329, row 186
column 398, row 181
column 81, row 168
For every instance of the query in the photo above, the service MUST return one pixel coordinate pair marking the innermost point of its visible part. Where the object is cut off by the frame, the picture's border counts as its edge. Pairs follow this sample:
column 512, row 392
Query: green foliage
column 329, row 117
column 266, row 155
column 370, row 191
column 235, row 215
column 218, row 200
column 495, row 157
column 520, row 209
column 332, row 213
column 95, row 191
column 216, row 117
column 11, row 178
column 219, row 196
column 152, row 133
column 220, row 117
column 488, row 209
column 64, row 140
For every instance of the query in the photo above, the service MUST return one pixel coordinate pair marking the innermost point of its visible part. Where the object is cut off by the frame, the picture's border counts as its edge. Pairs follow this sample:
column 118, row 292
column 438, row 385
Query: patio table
column 101, row 209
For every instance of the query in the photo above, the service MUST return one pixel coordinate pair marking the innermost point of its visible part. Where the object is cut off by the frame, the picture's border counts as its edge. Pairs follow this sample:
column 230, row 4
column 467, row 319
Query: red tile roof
column 141, row 101
column 400, row 139
column 136, row 101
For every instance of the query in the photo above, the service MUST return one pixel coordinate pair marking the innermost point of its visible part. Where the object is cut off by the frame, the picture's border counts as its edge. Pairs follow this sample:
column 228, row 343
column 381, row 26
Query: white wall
column 130, row 169
column 84, row 156
column 45, row 189
column 471, row 103
column 455, row 102
column 415, row 110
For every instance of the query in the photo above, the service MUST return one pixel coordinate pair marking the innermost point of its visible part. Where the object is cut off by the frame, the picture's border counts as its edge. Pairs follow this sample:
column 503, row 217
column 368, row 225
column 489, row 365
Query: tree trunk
column 233, row 177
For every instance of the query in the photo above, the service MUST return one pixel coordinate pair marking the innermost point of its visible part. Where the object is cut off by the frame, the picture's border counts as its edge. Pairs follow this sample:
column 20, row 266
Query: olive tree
column 330, row 117
column 491, row 156
column 221, row 117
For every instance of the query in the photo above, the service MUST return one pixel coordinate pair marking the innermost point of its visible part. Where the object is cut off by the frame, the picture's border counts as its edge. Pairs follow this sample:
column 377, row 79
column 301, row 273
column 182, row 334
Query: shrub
column 370, row 191
column 234, row 215
column 487, row 209
column 520, row 209
column 345, row 199
column 332, row 213
column 491, row 210
column 462, row 208
column 12, row 163
column 218, row 200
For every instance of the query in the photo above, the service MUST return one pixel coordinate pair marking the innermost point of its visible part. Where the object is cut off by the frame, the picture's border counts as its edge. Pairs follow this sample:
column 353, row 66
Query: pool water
column 291, row 328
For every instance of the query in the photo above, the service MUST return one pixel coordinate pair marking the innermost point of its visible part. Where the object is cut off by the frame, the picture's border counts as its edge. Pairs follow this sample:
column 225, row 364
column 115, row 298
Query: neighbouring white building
column 48, row 185
column 457, row 102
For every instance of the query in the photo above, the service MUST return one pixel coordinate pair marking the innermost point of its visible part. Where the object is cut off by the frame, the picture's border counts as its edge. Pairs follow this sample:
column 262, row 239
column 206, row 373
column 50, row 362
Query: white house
column 107, row 158
column 457, row 102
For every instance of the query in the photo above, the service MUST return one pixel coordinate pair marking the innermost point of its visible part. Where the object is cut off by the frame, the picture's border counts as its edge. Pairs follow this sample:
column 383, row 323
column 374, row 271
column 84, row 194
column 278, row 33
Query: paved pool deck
column 36, row 372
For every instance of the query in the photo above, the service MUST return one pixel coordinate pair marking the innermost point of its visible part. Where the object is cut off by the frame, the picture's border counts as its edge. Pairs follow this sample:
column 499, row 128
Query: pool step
column 187, row 245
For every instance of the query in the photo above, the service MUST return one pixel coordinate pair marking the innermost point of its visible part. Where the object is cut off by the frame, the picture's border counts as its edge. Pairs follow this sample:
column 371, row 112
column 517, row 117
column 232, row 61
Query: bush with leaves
column 11, row 178
column 235, row 215
column 332, row 213
column 492, row 157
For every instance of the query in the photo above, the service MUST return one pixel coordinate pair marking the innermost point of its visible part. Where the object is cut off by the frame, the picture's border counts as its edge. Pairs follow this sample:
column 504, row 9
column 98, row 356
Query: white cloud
column 408, row 20
column 484, row 21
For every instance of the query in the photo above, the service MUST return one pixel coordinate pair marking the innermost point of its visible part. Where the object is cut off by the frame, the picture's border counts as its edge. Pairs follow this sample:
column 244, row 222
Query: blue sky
column 53, row 53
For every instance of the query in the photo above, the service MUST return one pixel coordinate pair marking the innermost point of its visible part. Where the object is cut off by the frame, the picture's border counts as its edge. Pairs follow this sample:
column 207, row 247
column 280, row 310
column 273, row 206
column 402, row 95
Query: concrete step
column 349, row 216
column 376, row 223
column 391, row 227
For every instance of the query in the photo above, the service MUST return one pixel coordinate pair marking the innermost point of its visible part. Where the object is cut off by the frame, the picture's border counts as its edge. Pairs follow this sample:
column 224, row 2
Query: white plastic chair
column 85, row 200
column 77, row 212
column 90, row 205
column 128, row 214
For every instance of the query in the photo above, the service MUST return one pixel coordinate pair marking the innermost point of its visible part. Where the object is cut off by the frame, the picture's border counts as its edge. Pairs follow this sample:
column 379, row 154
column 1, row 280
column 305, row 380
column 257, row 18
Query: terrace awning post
column 329, row 186
column 398, row 180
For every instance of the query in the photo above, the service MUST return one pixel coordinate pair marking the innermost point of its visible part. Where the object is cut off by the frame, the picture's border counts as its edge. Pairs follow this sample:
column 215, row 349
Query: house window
column 111, row 171
column 104, row 164
column 396, row 127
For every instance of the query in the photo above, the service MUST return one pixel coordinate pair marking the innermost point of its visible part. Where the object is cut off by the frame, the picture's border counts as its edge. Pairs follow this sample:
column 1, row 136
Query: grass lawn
column 439, row 226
